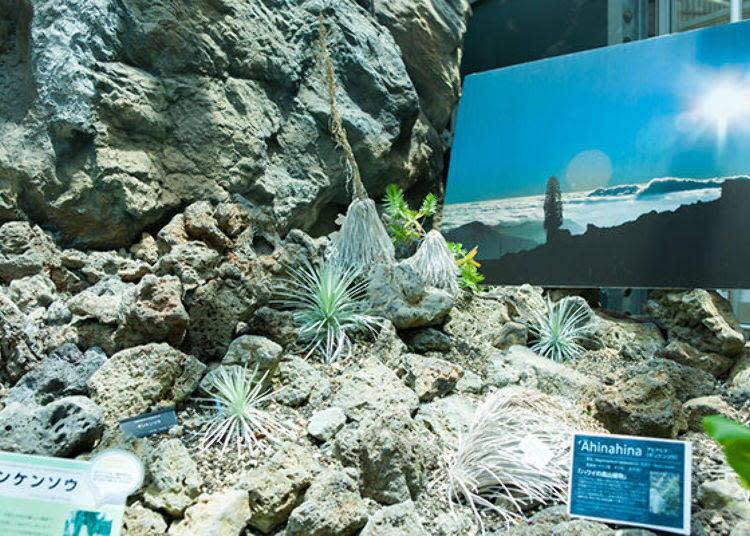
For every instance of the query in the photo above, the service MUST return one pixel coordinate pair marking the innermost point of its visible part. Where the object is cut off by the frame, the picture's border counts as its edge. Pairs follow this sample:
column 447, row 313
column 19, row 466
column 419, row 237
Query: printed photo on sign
column 664, row 493
column 637, row 481
column 87, row 523
column 610, row 167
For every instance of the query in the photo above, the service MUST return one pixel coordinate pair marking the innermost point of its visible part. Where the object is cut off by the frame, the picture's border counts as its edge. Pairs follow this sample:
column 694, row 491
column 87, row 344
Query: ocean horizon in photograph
column 625, row 155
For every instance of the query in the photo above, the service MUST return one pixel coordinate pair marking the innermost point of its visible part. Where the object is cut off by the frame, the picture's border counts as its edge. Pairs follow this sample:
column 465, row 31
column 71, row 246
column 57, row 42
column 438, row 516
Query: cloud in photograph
column 588, row 170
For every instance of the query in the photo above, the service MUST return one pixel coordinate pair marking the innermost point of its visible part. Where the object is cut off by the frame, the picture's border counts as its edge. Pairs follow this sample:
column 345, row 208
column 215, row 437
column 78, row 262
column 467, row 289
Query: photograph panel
column 609, row 167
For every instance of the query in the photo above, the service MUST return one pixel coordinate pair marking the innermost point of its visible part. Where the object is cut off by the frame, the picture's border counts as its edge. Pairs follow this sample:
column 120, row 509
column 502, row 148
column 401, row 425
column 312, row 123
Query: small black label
column 150, row 423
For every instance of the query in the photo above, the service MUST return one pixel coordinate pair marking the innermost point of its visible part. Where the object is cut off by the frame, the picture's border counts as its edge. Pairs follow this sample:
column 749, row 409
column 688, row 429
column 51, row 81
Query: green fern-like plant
column 328, row 304
column 560, row 329
column 405, row 223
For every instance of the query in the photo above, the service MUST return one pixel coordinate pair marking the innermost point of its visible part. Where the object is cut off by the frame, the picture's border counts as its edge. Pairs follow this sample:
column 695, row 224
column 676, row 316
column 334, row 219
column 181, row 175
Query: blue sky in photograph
column 673, row 106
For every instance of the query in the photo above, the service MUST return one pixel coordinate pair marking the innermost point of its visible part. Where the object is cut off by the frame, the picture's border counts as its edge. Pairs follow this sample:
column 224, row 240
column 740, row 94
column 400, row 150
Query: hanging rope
column 336, row 125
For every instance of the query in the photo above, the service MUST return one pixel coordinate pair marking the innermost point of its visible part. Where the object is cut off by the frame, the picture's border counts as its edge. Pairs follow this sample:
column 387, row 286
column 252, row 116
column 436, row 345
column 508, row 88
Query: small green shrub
column 234, row 414
column 560, row 329
column 407, row 225
column 327, row 304
column 734, row 438
column 469, row 275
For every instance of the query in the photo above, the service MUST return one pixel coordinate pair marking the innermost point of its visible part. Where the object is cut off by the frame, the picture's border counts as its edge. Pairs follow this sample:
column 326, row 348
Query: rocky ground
column 92, row 337
column 163, row 162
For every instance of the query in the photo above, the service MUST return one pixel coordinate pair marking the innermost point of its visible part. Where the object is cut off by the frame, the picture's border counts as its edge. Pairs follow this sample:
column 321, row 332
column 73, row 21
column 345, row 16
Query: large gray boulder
column 633, row 340
column 397, row 293
column 396, row 520
column 278, row 486
column 739, row 376
column 201, row 225
column 554, row 521
column 223, row 513
column 427, row 340
column 392, row 455
column 430, row 377
column 510, row 334
column 193, row 262
column 688, row 382
column 24, row 249
column 298, row 382
column 115, row 114
column 65, row 427
column 685, row 354
column 647, row 399
column 21, row 345
column 447, row 418
column 140, row 521
column 520, row 366
column 82, row 269
column 724, row 493
column 332, row 507
column 216, row 308
column 430, row 34
column 640, row 406
column 253, row 351
column 96, row 312
column 174, row 478
column 153, row 312
column 32, row 291
column 64, row 373
column 696, row 409
column 324, row 424
column 699, row 317
column 496, row 308
column 371, row 390
column 139, row 379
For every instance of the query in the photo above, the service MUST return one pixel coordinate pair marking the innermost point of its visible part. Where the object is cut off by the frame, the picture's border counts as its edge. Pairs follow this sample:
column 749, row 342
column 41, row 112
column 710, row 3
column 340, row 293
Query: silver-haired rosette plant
column 560, row 329
column 434, row 261
column 511, row 456
column 234, row 413
column 328, row 305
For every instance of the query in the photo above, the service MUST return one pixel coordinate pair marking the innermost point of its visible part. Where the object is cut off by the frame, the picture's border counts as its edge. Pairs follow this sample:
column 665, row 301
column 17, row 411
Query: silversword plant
column 234, row 411
column 560, row 329
column 512, row 455
column 328, row 304
column 362, row 239
column 435, row 263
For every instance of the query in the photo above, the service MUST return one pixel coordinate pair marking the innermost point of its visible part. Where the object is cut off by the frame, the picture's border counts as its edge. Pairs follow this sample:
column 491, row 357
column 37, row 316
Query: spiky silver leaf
column 327, row 304
column 560, row 329
column 234, row 414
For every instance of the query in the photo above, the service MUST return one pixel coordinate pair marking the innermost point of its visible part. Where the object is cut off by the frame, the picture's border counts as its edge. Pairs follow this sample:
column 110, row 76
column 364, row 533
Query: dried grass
column 434, row 261
column 515, row 454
